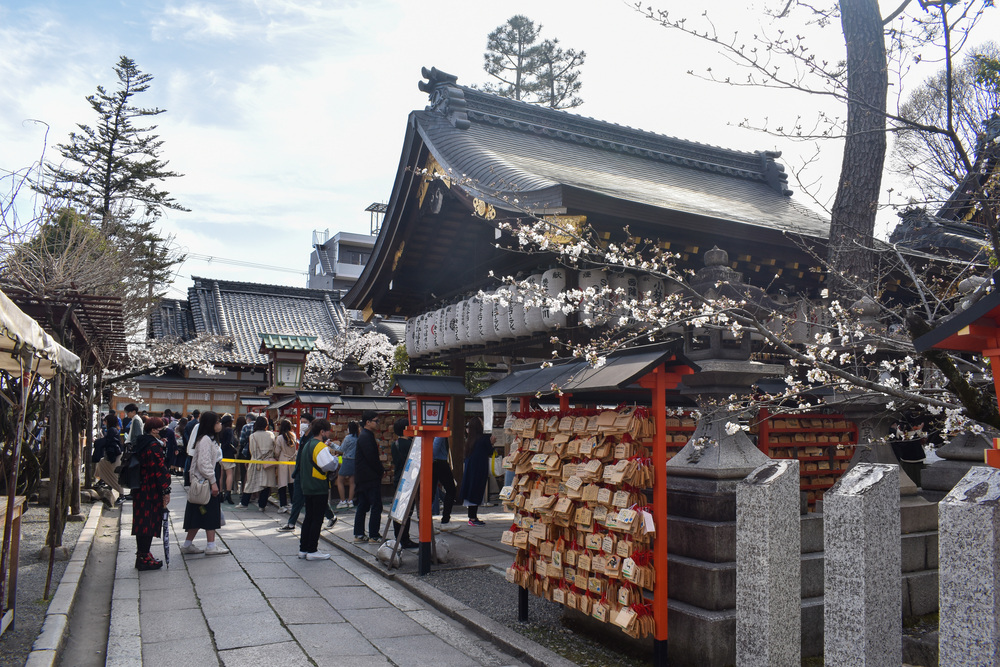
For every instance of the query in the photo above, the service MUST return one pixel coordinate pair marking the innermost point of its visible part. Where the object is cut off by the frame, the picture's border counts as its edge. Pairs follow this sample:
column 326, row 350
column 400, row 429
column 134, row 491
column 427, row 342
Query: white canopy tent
column 25, row 338
column 26, row 352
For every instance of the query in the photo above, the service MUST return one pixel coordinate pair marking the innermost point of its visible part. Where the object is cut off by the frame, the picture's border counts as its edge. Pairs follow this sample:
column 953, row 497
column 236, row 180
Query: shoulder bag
column 200, row 491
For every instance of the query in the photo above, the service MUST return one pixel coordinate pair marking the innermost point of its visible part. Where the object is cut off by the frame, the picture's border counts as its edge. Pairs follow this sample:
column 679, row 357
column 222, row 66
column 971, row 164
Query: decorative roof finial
column 446, row 96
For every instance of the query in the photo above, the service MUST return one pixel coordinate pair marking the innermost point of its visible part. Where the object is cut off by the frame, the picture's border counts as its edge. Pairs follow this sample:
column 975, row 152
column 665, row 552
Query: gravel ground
column 487, row 591
column 15, row 644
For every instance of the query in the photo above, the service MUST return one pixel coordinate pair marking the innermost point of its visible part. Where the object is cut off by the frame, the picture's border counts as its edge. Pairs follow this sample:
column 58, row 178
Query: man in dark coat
column 368, row 473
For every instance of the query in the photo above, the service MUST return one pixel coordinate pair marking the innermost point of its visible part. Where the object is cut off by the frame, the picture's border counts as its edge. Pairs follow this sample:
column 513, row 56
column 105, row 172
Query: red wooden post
column 426, row 491
column 660, row 515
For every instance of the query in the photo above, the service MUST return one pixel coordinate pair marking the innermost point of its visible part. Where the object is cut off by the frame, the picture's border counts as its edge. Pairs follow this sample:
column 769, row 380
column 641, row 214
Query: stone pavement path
column 262, row 604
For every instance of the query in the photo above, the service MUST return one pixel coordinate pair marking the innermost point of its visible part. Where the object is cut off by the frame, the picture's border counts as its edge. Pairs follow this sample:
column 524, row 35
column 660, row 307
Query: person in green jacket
column 314, row 489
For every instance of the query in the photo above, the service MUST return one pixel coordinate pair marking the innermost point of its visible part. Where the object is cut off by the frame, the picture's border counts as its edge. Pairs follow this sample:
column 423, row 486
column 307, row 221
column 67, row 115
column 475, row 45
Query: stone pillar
column 768, row 566
column 862, row 620
column 969, row 520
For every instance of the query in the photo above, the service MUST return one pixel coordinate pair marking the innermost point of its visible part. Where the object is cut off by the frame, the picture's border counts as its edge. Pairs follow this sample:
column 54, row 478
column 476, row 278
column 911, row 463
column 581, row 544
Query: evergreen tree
column 110, row 173
column 541, row 73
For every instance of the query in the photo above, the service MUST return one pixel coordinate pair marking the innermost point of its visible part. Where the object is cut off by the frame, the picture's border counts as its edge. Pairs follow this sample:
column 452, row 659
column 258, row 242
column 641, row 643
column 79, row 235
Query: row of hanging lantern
column 502, row 314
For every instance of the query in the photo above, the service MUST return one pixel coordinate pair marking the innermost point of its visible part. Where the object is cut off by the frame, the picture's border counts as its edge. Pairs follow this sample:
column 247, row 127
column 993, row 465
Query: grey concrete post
column 969, row 569
column 862, row 621
column 768, row 565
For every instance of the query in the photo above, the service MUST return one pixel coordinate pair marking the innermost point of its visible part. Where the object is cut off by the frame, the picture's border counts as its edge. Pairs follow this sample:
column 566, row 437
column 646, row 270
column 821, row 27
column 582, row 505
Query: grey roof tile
column 245, row 310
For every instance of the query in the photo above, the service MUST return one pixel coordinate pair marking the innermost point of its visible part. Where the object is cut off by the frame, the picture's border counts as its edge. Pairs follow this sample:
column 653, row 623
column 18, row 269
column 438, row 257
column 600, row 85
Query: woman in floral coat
column 152, row 496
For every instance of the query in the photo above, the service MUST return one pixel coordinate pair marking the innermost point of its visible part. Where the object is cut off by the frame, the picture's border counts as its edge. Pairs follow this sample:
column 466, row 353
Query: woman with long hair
column 284, row 449
column 476, row 469
column 228, row 443
column 260, row 476
column 152, row 496
column 180, row 455
column 205, row 465
column 241, row 468
column 347, row 449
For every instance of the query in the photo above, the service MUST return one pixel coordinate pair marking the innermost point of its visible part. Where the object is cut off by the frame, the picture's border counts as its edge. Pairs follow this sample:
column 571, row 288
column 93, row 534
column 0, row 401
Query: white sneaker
column 284, row 509
column 316, row 555
column 342, row 505
column 302, row 554
column 192, row 549
column 216, row 551
column 350, row 504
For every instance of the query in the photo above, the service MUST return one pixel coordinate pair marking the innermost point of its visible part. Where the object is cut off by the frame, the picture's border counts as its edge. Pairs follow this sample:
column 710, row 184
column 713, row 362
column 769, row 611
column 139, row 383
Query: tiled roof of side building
column 246, row 310
column 171, row 319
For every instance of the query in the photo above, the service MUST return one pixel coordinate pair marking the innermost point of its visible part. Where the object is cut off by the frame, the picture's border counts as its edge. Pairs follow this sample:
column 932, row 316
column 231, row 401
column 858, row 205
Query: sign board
column 487, row 415
column 402, row 502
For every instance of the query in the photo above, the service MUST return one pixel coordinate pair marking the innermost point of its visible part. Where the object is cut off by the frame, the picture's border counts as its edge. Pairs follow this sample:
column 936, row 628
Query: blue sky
column 288, row 115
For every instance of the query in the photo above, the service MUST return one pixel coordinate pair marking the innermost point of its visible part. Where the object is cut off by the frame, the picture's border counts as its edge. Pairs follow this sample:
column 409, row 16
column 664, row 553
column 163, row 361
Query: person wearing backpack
column 111, row 454
column 133, row 434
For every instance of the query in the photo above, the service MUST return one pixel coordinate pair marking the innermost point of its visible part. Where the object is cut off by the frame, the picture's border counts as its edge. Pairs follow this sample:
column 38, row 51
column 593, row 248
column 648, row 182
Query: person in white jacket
column 205, row 458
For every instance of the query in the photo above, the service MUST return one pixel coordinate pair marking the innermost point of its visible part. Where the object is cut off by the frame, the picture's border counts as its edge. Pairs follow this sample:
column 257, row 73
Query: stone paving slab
column 327, row 644
column 170, row 599
column 297, row 611
column 420, row 651
column 178, row 649
column 286, row 654
column 285, row 588
column 383, row 623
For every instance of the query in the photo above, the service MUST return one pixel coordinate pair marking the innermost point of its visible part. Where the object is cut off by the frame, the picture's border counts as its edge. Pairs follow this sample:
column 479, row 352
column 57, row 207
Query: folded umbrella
column 166, row 537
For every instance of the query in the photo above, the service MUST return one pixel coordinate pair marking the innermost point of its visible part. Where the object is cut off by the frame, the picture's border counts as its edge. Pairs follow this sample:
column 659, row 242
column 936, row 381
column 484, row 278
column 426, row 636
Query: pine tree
column 540, row 73
column 110, row 174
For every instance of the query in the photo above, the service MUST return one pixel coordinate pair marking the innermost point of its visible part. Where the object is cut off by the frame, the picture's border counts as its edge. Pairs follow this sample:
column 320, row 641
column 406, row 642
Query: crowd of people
column 256, row 458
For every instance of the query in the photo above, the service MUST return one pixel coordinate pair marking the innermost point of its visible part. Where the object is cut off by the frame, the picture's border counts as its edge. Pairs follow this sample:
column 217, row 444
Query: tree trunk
column 852, row 223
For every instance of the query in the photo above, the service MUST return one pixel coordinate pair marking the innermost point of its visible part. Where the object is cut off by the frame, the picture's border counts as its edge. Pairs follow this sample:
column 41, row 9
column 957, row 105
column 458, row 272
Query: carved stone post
column 768, row 566
column 862, row 620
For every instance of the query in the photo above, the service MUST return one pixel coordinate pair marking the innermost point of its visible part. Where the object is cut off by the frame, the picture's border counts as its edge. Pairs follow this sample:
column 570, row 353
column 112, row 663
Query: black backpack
column 112, row 449
column 98, row 450
column 131, row 474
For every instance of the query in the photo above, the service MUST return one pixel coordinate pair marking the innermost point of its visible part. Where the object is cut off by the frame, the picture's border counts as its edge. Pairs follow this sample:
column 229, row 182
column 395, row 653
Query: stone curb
column 45, row 650
column 510, row 641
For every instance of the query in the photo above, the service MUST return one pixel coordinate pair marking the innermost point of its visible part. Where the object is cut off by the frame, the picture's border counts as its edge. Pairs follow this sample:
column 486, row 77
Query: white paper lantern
column 491, row 319
column 554, row 282
column 651, row 288
column 517, row 312
column 419, row 335
column 503, row 312
column 596, row 279
column 450, row 333
column 533, row 315
column 628, row 283
column 411, row 348
column 462, row 321
column 440, row 327
column 475, row 316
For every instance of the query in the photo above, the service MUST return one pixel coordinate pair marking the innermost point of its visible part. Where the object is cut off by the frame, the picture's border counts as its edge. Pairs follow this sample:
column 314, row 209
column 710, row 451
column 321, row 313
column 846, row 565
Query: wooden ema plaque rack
column 583, row 526
column 823, row 444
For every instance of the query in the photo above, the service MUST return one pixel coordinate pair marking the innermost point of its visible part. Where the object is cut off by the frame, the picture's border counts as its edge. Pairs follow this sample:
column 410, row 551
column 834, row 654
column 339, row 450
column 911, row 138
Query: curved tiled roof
column 244, row 311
